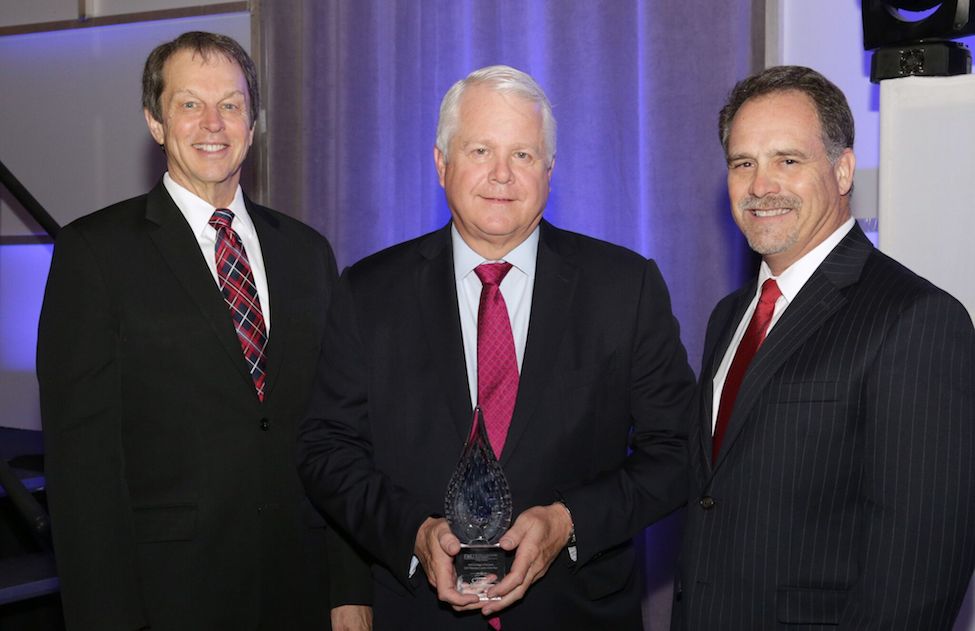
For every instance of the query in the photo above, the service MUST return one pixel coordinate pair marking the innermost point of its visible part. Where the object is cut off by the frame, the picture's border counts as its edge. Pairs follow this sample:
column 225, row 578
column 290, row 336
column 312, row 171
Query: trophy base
column 479, row 567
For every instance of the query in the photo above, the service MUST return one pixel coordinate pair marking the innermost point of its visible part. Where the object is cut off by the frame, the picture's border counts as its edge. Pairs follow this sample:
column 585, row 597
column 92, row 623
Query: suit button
column 707, row 502
column 265, row 424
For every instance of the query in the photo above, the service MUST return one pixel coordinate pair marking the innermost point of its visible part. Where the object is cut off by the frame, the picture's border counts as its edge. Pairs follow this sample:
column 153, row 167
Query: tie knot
column 492, row 273
column 221, row 218
column 770, row 292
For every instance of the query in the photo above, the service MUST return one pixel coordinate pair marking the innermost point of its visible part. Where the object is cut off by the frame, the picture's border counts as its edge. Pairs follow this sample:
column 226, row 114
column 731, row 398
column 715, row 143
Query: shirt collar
column 198, row 211
column 791, row 281
column 522, row 258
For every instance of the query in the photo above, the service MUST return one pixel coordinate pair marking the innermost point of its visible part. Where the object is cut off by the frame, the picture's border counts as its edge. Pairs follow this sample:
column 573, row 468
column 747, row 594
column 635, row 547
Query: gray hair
column 831, row 106
column 504, row 80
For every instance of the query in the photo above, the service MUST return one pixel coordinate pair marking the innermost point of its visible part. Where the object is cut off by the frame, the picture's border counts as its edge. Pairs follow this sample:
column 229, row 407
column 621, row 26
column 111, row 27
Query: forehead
column 777, row 117
column 484, row 111
column 186, row 68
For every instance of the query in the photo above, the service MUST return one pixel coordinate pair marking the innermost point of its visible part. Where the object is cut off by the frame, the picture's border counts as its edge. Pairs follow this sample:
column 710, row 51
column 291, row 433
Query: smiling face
column 206, row 127
column 496, row 177
column 786, row 196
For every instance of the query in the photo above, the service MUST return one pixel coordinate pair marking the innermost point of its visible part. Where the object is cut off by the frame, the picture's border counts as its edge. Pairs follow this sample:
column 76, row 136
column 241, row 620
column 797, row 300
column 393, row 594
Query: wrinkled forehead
column 486, row 111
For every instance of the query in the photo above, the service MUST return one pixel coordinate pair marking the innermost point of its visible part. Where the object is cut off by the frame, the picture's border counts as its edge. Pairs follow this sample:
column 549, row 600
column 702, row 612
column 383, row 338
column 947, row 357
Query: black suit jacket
column 173, row 490
column 845, row 490
column 604, row 371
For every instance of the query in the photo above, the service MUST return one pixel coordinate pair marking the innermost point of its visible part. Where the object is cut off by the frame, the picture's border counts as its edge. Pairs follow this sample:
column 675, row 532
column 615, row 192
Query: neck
column 217, row 194
column 494, row 248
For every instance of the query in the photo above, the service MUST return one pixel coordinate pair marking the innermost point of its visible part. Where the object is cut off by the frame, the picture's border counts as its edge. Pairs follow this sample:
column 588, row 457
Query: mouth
column 769, row 212
column 770, row 206
column 207, row 147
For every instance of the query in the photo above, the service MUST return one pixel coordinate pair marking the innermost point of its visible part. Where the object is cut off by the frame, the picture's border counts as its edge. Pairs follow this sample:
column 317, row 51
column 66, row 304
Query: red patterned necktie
column 753, row 338
column 497, row 368
column 240, row 293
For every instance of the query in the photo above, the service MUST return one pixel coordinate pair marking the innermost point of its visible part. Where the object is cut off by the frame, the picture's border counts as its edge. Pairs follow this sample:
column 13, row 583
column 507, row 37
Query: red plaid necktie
column 240, row 294
column 497, row 368
column 753, row 338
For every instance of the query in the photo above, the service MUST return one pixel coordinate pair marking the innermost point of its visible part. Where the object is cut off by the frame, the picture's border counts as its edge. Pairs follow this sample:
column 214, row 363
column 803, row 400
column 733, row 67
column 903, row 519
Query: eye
column 524, row 156
column 740, row 164
column 190, row 105
column 479, row 152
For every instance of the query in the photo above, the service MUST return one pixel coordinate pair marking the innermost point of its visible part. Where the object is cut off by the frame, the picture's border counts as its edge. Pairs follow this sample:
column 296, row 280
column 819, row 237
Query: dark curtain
column 352, row 90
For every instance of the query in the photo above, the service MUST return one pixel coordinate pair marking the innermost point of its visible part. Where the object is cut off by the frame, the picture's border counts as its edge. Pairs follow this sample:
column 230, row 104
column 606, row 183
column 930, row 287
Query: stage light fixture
column 906, row 44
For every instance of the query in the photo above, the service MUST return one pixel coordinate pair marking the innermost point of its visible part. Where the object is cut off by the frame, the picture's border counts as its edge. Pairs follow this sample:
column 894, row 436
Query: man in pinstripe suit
column 832, row 483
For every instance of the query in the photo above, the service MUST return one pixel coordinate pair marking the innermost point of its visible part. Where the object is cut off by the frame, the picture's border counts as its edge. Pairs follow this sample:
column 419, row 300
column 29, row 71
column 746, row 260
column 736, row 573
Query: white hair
column 504, row 80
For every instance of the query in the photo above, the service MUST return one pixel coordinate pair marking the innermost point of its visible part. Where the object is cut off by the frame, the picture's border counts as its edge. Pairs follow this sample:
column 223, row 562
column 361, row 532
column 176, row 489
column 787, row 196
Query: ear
column 551, row 168
column 441, row 161
column 843, row 169
column 155, row 128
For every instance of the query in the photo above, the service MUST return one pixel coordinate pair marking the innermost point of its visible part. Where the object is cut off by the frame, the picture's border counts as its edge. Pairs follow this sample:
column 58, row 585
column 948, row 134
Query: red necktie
column 753, row 338
column 240, row 293
column 497, row 368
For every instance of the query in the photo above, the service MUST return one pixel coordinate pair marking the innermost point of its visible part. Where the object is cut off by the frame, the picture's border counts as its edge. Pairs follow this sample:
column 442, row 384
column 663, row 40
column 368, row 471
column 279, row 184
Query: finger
column 446, row 579
column 495, row 605
column 518, row 574
column 515, row 535
column 449, row 542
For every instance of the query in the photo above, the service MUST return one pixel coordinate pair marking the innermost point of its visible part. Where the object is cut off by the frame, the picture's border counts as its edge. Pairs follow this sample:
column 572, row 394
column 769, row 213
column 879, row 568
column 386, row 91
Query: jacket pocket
column 169, row 522
column 804, row 605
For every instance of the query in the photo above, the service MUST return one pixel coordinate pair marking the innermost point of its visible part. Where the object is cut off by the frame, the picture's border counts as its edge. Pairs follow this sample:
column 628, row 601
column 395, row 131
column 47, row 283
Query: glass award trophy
column 478, row 509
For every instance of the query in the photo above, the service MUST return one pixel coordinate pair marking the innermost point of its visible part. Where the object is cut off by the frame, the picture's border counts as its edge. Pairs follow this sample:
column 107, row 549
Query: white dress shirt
column 516, row 288
column 790, row 282
column 197, row 213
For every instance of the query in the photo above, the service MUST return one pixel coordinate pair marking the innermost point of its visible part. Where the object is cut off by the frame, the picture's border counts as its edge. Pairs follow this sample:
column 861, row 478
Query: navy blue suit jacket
column 598, row 421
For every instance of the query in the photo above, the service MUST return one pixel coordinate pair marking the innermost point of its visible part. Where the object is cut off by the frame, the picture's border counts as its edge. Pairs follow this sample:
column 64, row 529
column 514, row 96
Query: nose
column 211, row 120
column 763, row 183
column 501, row 170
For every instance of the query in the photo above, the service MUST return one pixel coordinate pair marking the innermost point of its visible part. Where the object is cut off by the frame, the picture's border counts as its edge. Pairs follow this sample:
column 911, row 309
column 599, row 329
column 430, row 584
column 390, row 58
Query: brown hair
column 832, row 109
column 202, row 44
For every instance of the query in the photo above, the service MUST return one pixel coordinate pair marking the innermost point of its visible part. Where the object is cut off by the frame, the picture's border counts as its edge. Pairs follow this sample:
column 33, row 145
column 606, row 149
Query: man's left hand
column 537, row 536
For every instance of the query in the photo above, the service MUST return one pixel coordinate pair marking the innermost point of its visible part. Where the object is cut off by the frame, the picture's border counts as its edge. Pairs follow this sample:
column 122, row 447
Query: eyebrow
column 780, row 153
column 222, row 98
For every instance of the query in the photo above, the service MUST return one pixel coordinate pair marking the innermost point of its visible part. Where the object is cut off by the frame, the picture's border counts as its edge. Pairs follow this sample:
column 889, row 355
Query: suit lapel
column 181, row 251
column 818, row 299
column 274, row 252
column 436, row 292
column 713, row 359
column 555, row 279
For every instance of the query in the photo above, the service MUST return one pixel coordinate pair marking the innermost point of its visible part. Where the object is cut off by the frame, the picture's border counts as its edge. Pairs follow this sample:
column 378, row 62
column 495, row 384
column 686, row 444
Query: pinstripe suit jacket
column 844, row 495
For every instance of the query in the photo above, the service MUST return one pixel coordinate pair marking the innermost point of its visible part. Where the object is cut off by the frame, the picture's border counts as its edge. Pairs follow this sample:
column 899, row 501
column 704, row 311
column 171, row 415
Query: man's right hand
column 351, row 618
column 436, row 548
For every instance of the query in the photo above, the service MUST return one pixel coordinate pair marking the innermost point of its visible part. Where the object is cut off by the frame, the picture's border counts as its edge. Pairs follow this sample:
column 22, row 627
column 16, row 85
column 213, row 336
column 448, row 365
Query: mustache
column 769, row 202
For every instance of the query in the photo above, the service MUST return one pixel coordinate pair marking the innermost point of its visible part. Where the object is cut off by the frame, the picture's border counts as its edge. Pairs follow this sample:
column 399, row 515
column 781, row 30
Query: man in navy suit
column 170, row 418
column 833, row 480
column 595, row 449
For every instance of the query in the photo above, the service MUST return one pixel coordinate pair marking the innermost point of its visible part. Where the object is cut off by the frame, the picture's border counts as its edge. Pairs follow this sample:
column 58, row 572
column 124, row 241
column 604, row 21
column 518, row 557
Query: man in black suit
column 833, row 483
column 170, row 403
column 595, row 449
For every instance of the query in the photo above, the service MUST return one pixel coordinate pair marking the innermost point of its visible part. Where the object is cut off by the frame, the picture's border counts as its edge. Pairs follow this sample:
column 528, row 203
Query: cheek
column 737, row 188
